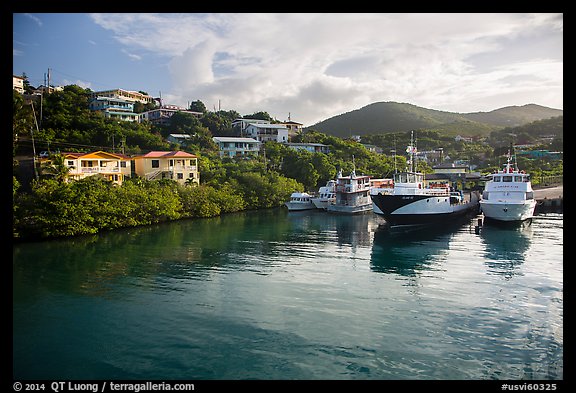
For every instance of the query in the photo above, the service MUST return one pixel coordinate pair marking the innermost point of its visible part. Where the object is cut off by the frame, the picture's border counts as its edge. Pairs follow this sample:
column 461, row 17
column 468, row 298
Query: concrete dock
column 550, row 199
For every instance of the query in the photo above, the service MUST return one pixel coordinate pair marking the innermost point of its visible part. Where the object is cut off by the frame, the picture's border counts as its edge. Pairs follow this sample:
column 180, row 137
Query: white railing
column 97, row 169
column 183, row 168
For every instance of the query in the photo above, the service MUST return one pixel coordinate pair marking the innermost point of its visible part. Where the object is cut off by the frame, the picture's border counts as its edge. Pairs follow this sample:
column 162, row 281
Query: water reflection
column 319, row 227
column 410, row 253
column 506, row 247
column 186, row 249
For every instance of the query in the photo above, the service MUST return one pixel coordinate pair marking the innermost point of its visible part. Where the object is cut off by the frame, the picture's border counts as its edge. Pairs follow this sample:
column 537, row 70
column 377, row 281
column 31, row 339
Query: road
column 549, row 192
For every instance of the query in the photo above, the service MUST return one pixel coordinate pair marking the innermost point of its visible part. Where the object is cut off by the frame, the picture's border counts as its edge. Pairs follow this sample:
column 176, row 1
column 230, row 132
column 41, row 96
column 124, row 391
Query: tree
column 22, row 119
column 55, row 168
column 197, row 106
column 259, row 116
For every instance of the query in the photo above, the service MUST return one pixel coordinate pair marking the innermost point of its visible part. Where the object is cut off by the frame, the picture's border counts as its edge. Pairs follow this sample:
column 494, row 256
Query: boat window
column 400, row 177
column 507, row 179
column 518, row 178
column 496, row 178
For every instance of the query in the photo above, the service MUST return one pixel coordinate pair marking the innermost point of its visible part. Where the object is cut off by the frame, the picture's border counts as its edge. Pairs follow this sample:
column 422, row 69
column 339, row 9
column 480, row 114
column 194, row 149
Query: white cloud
column 36, row 20
column 319, row 65
column 78, row 82
column 132, row 56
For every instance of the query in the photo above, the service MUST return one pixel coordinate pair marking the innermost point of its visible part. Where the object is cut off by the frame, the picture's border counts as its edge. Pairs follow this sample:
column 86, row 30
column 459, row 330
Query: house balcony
column 188, row 168
column 96, row 169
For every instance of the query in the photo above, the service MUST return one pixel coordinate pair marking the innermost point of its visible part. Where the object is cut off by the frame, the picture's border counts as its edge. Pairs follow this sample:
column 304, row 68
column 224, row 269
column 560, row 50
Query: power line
column 63, row 144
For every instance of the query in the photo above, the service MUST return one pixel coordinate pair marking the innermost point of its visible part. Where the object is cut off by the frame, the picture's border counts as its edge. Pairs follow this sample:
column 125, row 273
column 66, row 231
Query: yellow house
column 175, row 165
column 114, row 167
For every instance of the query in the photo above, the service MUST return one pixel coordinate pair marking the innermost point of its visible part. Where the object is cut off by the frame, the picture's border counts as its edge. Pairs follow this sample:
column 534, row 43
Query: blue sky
column 306, row 65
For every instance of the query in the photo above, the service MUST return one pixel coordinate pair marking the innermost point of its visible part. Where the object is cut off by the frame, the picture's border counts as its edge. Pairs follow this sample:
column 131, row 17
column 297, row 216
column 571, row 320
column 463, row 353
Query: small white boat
column 326, row 195
column 300, row 201
column 508, row 196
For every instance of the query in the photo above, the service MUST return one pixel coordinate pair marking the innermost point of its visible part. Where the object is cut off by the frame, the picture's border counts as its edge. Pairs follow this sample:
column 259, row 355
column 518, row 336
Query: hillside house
column 235, row 147
column 163, row 114
column 127, row 95
column 112, row 166
column 264, row 132
column 18, row 83
column 114, row 108
column 311, row 147
column 175, row 165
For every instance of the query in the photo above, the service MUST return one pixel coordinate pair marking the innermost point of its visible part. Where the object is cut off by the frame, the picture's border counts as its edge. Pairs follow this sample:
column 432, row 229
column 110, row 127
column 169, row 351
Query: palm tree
column 56, row 168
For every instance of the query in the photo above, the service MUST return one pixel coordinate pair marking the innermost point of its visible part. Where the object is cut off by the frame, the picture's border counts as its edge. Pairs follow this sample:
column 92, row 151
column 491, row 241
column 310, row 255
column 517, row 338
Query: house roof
column 234, row 139
column 96, row 154
column 183, row 136
column 167, row 154
column 267, row 125
column 306, row 144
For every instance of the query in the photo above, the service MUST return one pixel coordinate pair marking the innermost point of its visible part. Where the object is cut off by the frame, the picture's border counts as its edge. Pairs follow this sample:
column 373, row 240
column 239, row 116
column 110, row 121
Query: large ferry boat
column 508, row 196
column 410, row 202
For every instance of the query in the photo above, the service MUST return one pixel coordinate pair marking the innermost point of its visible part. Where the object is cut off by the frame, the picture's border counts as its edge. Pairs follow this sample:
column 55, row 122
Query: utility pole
column 33, row 145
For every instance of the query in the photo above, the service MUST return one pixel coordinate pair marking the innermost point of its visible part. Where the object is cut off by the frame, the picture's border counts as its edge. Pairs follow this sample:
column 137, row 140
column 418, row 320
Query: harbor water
column 277, row 295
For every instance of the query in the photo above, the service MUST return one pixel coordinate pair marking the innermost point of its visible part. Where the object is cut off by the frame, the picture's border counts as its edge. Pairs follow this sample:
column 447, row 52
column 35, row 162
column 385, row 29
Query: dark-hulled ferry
column 410, row 202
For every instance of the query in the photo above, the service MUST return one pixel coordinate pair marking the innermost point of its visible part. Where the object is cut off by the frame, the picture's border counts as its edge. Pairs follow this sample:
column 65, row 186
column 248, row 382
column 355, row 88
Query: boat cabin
column 408, row 180
column 517, row 177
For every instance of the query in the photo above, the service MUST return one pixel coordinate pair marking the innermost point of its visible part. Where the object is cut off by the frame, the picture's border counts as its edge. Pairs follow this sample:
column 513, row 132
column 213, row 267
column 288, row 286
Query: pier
column 550, row 199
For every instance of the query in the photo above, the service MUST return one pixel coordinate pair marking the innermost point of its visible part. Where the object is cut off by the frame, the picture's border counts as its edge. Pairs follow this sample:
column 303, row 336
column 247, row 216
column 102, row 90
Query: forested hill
column 513, row 116
column 385, row 117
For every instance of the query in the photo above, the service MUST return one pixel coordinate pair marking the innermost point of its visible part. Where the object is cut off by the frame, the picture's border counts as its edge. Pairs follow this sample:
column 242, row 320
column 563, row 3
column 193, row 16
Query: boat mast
column 411, row 151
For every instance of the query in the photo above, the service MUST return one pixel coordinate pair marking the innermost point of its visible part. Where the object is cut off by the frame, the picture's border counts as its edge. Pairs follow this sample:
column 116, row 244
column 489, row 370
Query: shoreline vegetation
column 55, row 209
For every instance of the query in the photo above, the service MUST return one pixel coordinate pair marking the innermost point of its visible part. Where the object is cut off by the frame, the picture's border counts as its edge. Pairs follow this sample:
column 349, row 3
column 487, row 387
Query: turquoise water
column 278, row 295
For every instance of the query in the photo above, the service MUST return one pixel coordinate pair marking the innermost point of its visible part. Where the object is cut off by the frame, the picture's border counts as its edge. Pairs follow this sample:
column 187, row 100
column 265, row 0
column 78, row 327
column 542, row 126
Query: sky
column 306, row 67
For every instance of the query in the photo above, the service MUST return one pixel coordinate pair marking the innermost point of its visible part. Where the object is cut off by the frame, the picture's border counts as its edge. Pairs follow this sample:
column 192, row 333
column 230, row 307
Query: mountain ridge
column 390, row 116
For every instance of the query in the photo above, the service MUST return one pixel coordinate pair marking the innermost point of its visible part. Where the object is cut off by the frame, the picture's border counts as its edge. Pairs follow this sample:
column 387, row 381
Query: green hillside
column 386, row 117
column 514, row 116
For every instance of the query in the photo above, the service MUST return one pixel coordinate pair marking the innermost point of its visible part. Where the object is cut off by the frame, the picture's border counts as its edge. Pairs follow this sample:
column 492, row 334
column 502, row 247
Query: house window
column 191, row 175
column 123, row 164
column 70, row 163
column 179, row 176
column 155, row 163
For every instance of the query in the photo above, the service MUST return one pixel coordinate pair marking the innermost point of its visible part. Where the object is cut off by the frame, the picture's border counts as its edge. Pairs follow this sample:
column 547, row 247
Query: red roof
column 158, row 154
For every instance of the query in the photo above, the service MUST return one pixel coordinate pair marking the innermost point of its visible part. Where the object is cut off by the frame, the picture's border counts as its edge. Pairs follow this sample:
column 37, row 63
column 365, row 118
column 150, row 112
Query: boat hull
column 508, row 211
column 355, row 209
column 322, row 203
column 299, row 206
column 421, row 209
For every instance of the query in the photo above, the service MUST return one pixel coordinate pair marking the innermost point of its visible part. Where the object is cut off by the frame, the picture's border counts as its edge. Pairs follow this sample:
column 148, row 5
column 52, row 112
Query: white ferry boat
column 352, row 194
column 326, row 195
column 300, row 201
column 508, row 196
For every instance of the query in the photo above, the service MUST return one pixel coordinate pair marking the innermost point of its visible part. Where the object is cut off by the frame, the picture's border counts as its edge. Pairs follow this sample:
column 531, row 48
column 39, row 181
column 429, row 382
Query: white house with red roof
column 176, row 165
